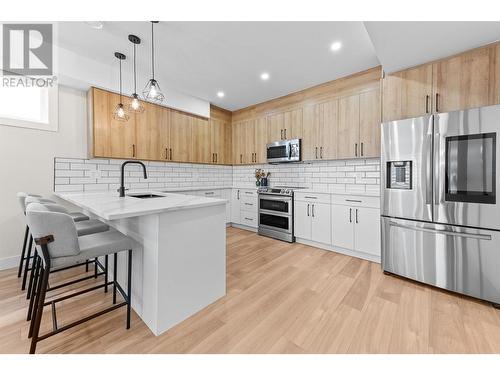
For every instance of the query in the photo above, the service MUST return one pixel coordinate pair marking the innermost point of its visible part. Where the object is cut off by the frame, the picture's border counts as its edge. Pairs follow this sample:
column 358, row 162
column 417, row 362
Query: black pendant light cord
column 152, row 49
column 135, row 75
column 120, row 81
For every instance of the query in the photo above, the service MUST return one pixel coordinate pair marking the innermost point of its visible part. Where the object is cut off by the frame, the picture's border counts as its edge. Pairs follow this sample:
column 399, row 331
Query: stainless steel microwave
column 285, row 151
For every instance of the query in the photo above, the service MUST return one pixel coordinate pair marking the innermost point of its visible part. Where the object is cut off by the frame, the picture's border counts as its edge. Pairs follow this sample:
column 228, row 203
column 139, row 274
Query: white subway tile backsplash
column 343, row 176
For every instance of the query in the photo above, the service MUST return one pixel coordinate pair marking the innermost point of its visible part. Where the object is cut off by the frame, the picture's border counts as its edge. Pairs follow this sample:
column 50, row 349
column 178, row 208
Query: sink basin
column 145, row 196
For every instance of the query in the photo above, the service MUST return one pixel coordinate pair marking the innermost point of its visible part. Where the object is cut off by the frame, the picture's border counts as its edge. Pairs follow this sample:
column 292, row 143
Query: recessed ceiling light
column 336, row 46
column 264, row 76
column 220, row 94
column 98, row 25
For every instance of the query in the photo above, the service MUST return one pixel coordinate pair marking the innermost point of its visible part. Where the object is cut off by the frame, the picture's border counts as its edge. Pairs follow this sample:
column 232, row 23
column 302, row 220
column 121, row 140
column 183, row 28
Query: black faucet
column 121, row 190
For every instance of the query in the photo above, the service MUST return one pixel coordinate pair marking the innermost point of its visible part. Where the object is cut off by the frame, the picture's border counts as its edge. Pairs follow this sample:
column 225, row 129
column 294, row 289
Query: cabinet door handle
column 133, row 151
column 350, row 215
column 166, row 153
column 361, row 148
column 321, row 152
column 281, row 137
column 437, row 102
column 238, row 194
column 316, row 152
column 356, row 216
column 285, row 133
column 356, row 149
column 170, row 154
column 216, row 157
column 241, row 158
column 312, row 211
column 308, row 209
column 427, row 98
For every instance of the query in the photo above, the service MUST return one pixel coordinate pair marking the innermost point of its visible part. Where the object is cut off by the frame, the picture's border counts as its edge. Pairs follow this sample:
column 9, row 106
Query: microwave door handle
column 289, row 150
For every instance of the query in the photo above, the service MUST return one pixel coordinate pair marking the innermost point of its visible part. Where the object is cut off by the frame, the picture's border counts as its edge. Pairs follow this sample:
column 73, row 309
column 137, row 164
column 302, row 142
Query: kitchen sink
column 145, row 196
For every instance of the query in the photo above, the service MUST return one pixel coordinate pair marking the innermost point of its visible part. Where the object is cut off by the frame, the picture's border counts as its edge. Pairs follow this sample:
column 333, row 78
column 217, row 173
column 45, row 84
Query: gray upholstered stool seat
column 96, row 245
column 78, row 216
column 86, row 227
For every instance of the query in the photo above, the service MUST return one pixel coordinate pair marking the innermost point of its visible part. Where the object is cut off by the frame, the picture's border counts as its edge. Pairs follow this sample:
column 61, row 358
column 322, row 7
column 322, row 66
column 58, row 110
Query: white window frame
column 53, row 114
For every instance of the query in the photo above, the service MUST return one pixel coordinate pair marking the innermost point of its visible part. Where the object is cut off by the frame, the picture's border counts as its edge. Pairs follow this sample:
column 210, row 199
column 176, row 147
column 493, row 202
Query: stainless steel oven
column 283, row 151
column 275, row 213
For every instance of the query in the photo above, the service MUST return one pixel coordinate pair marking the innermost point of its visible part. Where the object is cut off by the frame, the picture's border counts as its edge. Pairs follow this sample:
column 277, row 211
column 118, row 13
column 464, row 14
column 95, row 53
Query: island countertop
column 109, row 206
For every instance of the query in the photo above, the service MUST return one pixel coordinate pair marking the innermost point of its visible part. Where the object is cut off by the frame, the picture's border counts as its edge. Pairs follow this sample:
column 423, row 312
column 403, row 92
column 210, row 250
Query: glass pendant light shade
column 135, row 102
column 119, row 112
column 152, row 91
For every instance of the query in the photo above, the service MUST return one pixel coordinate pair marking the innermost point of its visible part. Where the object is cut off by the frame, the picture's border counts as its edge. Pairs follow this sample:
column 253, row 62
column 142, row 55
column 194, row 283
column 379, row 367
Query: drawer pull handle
column 248, row 204
column 247, row 218
column 310, row 197
column 353, row 200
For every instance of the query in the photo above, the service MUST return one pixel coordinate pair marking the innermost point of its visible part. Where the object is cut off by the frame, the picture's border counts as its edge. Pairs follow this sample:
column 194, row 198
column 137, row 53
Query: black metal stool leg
column 32, row 274
column 129, row 286
column 23, row 252
column 26, row 265
column 36, row 302
column 95, row 268
column 87, row 265
column 106, row 273
column 35, row 286
column 115, row 266
column 38, row 317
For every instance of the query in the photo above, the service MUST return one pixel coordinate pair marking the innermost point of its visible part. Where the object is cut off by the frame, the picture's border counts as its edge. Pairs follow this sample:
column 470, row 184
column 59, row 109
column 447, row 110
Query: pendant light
column 135, row 104
column 119, row 113
column 152, row 91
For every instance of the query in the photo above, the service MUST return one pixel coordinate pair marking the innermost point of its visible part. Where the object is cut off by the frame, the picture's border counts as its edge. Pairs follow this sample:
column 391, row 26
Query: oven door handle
column 485, row 237
column 274, row 197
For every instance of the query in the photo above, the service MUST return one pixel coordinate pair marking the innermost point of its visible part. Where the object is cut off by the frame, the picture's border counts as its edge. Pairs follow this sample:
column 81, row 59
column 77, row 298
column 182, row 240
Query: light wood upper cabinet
column 163, row 123
column 462, row 81
column 408, row 93
column 239, row 148
column 148, row 141
column 327, row 133
column 284, row 125
column 115, row 139
column 275, row 125
column 348, row 134
column 260, row 140
column 220, row 133
column 293, row 123
column 319, row 131
column 470, row 79
column 369, row 124
column 201, row 141
column 180, row 136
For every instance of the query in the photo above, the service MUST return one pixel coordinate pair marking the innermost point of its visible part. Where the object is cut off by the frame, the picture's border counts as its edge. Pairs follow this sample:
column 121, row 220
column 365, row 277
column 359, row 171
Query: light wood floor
column 281, row 298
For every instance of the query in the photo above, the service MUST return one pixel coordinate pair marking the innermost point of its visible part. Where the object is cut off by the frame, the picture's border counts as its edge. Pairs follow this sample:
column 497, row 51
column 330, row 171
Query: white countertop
column 109, row 206
column 316, row 191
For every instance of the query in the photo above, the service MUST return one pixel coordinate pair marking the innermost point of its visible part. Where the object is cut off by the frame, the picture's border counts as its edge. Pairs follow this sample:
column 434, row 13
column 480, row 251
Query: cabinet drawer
column 249, row 218
column 312, row 197
column 248, row 203
column 356, row 200
column 211, row 193
column 248, row 193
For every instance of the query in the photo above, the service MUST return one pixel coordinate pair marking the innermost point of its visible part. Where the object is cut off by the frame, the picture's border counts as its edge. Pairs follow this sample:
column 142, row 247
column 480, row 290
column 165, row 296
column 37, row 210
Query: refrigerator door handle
column 443, row 231
column 428, row 173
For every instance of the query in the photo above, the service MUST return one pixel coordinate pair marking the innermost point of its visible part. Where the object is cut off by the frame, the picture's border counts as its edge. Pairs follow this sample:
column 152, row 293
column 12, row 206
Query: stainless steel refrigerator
column 440, row 215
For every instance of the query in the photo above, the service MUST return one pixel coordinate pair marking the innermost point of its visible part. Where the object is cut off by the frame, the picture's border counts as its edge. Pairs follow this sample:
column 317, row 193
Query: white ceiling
column 202, row 58
column 400, row 45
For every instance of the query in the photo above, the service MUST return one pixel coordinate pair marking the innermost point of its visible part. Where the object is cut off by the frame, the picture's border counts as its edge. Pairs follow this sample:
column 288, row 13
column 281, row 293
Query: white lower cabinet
column 244, row 207
column 312, row 219
column 357, row 227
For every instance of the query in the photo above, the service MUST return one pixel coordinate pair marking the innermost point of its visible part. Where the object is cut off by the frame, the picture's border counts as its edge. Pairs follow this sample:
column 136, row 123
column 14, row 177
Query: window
column 29, row 107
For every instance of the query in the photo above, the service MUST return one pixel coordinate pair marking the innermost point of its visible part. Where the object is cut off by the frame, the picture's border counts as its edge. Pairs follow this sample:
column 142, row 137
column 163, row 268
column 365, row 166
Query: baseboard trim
column 7, row 263
column 244, row 227
column 341, row 250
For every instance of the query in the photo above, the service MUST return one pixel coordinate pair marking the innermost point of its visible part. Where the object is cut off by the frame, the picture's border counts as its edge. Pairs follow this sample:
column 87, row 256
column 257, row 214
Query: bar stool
column 26, row 252
column 83, row 228
column 58, row 245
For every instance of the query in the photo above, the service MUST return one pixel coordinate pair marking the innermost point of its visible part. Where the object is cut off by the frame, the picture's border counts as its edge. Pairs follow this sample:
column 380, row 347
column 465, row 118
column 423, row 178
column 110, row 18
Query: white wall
column 27, row 162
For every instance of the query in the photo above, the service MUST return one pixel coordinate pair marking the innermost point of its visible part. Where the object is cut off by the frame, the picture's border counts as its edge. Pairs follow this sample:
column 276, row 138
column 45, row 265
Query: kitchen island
column 181, row 267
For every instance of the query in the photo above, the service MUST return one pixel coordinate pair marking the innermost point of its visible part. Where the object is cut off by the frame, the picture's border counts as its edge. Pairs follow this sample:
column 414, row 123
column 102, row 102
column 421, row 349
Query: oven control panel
column 399, row 175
